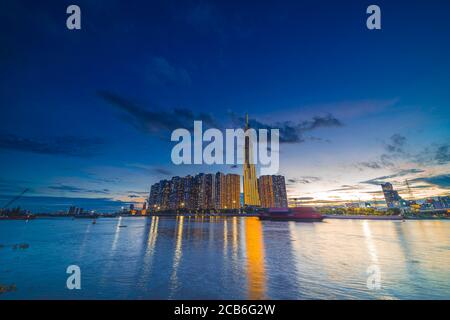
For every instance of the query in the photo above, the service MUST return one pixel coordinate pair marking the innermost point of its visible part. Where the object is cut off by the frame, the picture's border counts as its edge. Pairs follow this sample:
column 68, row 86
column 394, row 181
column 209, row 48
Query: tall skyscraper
column 393, row 200
column 272, row 191
column 251, row 196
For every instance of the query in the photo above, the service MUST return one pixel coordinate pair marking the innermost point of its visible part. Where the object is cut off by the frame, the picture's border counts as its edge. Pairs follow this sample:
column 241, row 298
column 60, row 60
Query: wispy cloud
column 302, row 198
column 396, row 144
column 73, row 189
column 396, row 149
column 384, row 179
column 153, row 169
column 370, row 164
column 67, row 145
column 154, row 121
column 157, row 122
column 438, row 154
column 304, row 180
column 162, row 171
column 442, row 154
column 292, row 132
column 345, row 187
column 442, row 181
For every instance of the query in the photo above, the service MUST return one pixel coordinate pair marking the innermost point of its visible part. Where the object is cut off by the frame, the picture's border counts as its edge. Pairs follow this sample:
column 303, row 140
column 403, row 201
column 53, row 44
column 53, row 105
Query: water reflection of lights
column 83, row 243
column 151, row 241
column 256, row 273
column 235, row 237
column 373, row 270
column 153, row 235
column 177, row 255
column 112, row 251
column 116, row 235
column 225, row 237
column 149, row 250
column 369, row 242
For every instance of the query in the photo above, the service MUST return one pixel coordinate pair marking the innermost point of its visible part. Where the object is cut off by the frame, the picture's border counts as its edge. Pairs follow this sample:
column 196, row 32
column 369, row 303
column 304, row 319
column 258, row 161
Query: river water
column 225, row 258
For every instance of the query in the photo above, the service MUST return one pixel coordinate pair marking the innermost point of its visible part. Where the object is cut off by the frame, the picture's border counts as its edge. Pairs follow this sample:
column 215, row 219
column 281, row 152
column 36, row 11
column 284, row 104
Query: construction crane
column 409, row 190
column 10, row 202
column 412, row 202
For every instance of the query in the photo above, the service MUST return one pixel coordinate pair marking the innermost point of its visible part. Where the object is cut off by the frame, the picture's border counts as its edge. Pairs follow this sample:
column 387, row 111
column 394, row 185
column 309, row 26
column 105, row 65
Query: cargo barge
column 18, row 217
column 299, row 214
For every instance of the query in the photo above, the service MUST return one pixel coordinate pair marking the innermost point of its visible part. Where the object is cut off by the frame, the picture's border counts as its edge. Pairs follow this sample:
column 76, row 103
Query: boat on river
column 18, row 217
column 299, row 214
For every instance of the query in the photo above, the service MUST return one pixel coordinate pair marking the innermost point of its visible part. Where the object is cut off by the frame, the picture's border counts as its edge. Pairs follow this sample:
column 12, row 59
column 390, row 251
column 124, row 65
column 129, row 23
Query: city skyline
column 91, row 128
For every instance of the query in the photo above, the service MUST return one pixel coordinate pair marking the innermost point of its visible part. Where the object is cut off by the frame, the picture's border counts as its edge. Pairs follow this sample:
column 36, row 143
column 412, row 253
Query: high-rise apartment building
column 219, row 190
column 393, row 199
column 232, row 192
column 272, row 191
column 200, row 192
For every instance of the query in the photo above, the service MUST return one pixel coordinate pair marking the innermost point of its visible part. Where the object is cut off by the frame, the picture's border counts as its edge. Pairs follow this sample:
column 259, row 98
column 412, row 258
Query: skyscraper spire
column 251, row 195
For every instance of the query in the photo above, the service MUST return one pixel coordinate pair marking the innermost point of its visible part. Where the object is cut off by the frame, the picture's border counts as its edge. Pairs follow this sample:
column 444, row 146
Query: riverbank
column 364, row 217
column 243, row 215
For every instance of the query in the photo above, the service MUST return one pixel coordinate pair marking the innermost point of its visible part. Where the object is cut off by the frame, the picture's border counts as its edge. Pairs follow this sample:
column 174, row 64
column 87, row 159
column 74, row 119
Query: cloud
column 442, row 180
column 383, row 179
column 396, row 144
column 66, row 145
column 370, row 165
column 138, row 192
column 396, row 150
column 291, row 132
column 442, row 154
column 156, row 121
column 304, row 180
column 162, row 171
column 73, row 189
column 301, row 198
column 149, row 168
column 160, row 71
column 345, row 187
column 436, row 154
column 356, row 109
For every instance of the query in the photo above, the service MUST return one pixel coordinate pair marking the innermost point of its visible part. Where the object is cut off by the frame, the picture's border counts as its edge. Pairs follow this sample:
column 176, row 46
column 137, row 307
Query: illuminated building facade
column 232, row 191
column 272, row 191
column 200, row 192
column 251, row 195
